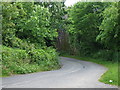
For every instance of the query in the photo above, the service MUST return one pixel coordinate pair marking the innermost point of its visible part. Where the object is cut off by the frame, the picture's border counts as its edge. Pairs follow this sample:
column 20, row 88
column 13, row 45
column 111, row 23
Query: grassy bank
column 109, row 77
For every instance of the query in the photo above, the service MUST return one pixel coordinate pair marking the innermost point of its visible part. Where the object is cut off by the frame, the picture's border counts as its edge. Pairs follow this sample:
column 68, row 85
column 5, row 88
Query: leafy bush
column 17, row 61
column 103, row 54
column 13, row 58
column 46, row 58
column 108, row 55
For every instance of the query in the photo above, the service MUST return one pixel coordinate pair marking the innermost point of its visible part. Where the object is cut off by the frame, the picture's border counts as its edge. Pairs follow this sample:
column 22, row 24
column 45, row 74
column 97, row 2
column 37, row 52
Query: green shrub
column 17, row 61
column 108, row 55
column 16, row 55
column 47, row 58
column 12, row 59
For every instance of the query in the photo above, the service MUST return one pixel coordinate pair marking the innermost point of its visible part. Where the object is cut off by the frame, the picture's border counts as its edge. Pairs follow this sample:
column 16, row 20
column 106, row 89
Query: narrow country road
column 73, row 74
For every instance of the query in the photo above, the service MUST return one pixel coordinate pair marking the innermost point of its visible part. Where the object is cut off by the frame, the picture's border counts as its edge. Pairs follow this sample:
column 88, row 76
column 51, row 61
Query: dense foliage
column 17, row 61
column 27, row 31
column 31, row 31
column 30, row 24
column 94, row 30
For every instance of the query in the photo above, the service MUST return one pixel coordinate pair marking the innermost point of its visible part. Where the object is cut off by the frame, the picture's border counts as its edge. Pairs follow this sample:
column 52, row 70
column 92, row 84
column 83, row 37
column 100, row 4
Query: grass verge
column 109, row 77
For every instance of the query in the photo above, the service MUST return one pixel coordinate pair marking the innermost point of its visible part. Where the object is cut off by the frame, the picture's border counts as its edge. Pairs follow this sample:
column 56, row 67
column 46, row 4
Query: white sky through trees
column 70, row 2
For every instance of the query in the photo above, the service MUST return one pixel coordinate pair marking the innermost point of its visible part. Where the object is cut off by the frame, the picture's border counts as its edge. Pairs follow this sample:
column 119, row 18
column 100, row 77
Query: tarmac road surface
column 73, row 74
